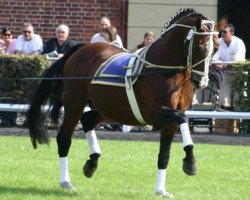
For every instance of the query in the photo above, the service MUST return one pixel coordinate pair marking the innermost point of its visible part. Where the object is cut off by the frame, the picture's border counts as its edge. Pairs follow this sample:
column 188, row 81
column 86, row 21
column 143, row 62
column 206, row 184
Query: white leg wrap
column 186, row 137
column 161, row 180
column 160, row 188
column 64, row 170
column 93, row 143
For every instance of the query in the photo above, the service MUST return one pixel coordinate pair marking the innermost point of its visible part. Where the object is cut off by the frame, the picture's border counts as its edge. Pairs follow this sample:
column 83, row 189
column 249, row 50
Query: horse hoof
column 67, row 185
column 89, row 168
column 189, row 168
column 164, row 194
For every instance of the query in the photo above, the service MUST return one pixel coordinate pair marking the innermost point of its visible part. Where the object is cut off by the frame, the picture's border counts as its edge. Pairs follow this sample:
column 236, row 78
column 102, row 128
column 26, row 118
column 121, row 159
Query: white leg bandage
column 93, row 143
column 161, row 180
column 186, row 137
column 64, row 170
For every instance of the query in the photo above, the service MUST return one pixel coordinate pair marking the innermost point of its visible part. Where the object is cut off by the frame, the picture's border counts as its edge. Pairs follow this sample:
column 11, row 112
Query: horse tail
column 49, row 92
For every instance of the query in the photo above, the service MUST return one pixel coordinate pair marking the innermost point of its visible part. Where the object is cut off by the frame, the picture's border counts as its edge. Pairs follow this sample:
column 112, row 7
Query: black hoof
column 89, row 168
column 91, row 165
column 189, row 167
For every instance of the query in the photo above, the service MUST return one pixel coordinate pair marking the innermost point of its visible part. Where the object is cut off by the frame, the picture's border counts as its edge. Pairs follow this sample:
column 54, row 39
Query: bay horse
column 171, row 66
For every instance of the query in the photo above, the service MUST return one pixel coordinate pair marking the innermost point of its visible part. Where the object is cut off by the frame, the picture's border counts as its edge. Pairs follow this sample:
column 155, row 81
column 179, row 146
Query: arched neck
column 168, row 50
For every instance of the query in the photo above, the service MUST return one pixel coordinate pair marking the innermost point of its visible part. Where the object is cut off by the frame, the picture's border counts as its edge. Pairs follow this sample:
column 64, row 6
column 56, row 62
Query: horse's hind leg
column 71, row 118
column 89, row 120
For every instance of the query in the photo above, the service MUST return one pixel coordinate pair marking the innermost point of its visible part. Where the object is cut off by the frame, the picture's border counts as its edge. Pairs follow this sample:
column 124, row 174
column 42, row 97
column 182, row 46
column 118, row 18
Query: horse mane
column 183, row 13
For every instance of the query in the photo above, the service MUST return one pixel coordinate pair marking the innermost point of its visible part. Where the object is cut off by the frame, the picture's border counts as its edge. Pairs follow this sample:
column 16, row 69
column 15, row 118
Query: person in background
column 7, row 46
column 110, row 35
column 148, row 39
column 231, row 49
column 98, row 37
column 7, row 43
column 105, row 26
column 59, row 45
column 29, row 43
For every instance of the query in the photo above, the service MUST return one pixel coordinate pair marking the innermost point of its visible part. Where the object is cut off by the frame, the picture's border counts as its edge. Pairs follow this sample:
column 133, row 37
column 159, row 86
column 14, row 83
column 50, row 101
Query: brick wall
column 82, row 16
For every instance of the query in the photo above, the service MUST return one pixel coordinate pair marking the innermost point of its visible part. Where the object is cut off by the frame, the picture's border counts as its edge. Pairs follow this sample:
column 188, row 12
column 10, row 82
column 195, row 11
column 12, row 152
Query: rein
column 141, row 55
column 190, row 37
column 83, row 77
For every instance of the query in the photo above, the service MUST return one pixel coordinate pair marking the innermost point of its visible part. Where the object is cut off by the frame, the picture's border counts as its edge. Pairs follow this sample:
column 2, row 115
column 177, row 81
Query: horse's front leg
column 189, row 162
column 163, row 159
column 166, row 116
column 163, row 118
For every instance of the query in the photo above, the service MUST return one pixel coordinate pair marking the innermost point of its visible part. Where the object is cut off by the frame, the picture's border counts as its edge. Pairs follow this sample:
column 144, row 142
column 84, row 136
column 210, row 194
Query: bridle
column 190, row 37
column 141, row 55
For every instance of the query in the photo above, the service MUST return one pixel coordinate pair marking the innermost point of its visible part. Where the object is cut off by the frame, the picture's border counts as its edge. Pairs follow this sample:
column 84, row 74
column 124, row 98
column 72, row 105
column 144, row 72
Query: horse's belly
column 112, row 102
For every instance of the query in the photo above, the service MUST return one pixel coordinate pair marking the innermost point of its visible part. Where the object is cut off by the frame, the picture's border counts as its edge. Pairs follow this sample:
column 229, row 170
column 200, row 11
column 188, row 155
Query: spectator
column 231, row 49
column 7, row 43
column 7, row 46
column 29, row 43
column 110, row 35
column 59, row 45
column 148, row 39
column 98, row 37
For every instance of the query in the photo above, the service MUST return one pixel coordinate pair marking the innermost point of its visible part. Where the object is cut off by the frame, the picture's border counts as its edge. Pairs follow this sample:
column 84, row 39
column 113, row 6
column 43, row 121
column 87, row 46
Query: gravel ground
column 200, row 136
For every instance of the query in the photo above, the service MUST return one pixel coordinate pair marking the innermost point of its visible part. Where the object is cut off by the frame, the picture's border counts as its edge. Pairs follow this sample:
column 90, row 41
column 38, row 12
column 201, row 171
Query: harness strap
column 142, row 58
column 141, row 55
column 130, row 92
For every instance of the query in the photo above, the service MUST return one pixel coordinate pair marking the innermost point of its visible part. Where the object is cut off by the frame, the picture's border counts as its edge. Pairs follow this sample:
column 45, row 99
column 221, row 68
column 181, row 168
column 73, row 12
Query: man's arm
column 241, row 52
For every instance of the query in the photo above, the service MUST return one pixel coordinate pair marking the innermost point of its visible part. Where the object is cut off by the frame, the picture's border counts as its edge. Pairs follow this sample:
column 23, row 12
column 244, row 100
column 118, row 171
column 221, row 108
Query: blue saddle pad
column 113, row 71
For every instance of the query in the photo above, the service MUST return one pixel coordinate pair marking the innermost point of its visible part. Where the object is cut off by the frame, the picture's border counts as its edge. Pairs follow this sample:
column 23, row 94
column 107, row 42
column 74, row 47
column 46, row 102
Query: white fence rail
column 22, row 107
column 217, row 115
column 189, row 113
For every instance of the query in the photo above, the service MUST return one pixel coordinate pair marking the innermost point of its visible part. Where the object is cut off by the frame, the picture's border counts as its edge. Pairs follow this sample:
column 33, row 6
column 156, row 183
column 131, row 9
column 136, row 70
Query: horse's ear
column 198, row 23
column 223, row 21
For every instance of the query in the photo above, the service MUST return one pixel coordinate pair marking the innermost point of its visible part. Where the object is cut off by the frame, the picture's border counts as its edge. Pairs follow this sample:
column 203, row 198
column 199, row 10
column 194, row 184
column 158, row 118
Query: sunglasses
column 7, row 34
column 26, row 31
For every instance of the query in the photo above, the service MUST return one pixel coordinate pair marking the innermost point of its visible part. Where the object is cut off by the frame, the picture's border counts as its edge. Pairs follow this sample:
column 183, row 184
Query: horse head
column 187, row 41
column 202, row 43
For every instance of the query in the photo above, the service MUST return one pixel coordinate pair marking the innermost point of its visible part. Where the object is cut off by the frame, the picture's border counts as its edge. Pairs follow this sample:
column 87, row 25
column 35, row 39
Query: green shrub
column 13, row 68
column 242, row 85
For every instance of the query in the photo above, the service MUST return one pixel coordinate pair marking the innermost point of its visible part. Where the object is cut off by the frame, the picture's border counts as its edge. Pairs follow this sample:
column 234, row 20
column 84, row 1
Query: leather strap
column 130, row 92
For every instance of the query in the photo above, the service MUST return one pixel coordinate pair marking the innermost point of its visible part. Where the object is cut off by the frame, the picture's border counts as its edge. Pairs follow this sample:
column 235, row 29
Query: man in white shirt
column 105, row 23
column 231, row 49
column 29, row 43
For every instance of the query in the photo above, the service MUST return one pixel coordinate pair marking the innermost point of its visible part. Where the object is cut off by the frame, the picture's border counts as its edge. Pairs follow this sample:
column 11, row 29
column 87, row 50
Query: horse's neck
column 167, row 51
